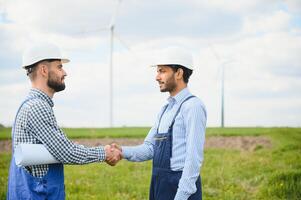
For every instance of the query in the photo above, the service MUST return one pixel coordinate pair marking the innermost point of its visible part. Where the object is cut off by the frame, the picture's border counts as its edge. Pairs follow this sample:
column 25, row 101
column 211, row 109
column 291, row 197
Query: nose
column 158, row 77
column 65, row 73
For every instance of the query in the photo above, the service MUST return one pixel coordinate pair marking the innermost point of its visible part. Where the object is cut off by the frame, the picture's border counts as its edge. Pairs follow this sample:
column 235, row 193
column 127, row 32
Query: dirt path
column 244, row 143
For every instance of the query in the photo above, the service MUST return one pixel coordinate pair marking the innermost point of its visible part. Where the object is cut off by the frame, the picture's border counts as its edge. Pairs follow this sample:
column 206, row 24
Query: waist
column 158, row 170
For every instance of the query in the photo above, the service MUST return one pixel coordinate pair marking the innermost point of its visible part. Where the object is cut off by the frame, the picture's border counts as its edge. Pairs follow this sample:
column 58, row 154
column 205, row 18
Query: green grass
column 273, row 173
column 141, row 132
column 133, row 132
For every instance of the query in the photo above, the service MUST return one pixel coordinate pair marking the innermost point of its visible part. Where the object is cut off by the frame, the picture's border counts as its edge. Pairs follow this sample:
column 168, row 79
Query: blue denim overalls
column 164, row 182
column 22, row 185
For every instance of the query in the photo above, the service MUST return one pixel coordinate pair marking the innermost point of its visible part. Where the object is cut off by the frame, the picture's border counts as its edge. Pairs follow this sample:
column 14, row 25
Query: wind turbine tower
column 223, row 63
column 111, row 86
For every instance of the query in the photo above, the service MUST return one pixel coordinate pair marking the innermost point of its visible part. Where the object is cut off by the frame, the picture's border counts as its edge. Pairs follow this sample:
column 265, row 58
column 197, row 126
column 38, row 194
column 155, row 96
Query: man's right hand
column 113, row 155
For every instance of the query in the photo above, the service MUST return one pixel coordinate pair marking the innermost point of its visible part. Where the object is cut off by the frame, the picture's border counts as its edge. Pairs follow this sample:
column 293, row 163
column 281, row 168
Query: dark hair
column 31, row 68
column 186, row 72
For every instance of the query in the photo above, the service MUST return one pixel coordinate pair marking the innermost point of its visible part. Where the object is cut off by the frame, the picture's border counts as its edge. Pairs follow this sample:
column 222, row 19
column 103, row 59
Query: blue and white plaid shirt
column 36, row 124
column 188, row 140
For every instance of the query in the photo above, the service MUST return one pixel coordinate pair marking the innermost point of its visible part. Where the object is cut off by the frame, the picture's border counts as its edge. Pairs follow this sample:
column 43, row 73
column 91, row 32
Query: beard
column 169, row 85
column 55, row 83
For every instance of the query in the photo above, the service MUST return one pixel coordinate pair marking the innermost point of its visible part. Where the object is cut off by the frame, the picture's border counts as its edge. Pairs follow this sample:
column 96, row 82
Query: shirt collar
column 180, row 96
column 38, row 93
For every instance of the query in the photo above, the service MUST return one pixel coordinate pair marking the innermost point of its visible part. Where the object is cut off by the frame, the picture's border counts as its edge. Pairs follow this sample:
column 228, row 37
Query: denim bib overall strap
column 22, row 185
column 164, row 182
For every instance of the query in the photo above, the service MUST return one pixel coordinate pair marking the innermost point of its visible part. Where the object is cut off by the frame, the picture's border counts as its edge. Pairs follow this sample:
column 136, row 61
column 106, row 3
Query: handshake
column 113, row 154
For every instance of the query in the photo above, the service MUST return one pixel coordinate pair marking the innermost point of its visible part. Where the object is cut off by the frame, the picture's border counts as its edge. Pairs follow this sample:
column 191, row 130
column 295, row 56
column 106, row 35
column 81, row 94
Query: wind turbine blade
column 218, row 58
column 122, row 41
column 113, row 19
column 215, row 53
column 131, row 50
column 91, row 31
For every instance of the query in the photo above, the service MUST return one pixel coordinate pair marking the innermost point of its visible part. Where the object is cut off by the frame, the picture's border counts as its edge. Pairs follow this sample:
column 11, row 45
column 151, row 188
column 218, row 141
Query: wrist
column 106, row 151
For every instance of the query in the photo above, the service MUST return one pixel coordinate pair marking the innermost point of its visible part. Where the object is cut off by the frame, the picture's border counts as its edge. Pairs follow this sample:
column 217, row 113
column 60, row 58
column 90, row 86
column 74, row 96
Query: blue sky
column 262, row 39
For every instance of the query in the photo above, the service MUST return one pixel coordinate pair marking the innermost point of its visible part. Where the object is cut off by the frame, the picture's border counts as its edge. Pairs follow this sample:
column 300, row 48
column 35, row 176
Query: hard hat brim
column 156, row 65
column 63, row 60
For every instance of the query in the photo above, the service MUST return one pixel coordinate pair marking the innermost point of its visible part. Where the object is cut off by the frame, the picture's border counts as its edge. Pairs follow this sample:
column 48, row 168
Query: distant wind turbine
column 112, row 28
column 223, row 63
column 113, row 35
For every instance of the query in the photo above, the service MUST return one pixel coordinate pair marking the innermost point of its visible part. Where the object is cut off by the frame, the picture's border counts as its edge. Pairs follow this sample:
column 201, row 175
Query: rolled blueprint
column 33, row 154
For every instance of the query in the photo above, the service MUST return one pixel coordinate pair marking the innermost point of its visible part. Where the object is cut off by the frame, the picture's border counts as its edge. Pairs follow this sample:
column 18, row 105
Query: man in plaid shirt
column 35, row 123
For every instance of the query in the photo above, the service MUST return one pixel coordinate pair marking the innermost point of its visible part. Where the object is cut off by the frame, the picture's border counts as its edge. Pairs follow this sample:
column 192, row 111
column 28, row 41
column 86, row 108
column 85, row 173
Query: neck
column 178, row 89
column 50, row 92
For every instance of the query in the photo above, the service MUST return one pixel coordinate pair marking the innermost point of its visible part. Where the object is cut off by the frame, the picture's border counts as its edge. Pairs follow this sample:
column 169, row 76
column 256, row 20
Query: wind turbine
column 112, row 28
column 223, row 63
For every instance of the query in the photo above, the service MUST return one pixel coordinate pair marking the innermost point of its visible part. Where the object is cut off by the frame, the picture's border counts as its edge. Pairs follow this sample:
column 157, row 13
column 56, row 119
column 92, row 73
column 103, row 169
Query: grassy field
column 141, row 132
column 266, row 173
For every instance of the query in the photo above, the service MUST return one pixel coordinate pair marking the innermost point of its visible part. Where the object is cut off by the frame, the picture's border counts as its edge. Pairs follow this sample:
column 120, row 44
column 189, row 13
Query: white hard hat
column 41, row 51
column 174, row 56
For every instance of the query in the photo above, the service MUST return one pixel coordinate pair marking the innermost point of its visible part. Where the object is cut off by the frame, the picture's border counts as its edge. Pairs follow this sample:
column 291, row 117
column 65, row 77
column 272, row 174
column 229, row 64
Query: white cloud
column 60, row 15
column 239, row 7
column 262, row 83
column 294, row 6
column 11, row 97
column 264, row 23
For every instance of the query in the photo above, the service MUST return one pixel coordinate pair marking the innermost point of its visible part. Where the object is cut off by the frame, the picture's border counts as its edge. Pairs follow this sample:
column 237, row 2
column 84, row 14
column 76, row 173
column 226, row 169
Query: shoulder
column 37, row 105
column 194, row 104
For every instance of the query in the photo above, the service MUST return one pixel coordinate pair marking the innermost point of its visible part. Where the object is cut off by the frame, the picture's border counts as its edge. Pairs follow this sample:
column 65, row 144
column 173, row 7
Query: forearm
column 138, row 153
column 141, row 152
column 81, row 155
column 67, row 152
column 190, row 174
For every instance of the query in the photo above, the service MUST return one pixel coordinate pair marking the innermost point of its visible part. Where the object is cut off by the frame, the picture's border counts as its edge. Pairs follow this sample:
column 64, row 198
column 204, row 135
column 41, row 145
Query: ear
column 44, row 70
column 179, row 74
